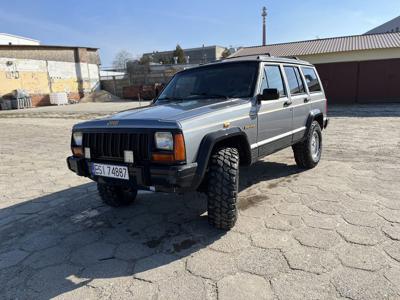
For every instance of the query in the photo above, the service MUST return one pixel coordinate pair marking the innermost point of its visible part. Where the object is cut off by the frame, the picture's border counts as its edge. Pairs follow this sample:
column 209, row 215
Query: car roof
column 267, row 58
column 252, row 58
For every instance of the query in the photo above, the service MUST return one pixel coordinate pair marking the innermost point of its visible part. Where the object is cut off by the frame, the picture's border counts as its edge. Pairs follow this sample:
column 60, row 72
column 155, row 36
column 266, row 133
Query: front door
column 274, row 116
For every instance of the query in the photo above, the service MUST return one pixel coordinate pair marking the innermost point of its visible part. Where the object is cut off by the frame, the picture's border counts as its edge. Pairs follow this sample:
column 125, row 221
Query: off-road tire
column 116, row 196
column 303, row 153
column 222, row 188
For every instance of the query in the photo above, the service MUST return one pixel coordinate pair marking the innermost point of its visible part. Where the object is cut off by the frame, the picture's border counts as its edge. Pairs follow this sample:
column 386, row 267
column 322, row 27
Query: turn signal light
column 163, row 157
column 179, row 147
column 77, row 151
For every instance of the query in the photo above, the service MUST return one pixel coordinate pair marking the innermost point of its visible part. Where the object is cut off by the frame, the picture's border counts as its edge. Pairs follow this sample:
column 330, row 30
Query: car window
column 311, row 79
column 295, row 82
column 274, row 80
column 223, row 80
column 184, row 85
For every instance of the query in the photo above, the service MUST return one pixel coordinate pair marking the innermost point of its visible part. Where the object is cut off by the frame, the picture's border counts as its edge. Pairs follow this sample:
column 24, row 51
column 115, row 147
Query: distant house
column 10, row 39
column 353, row 69
column 197, row 55
column 44, row 69
column 390, row 26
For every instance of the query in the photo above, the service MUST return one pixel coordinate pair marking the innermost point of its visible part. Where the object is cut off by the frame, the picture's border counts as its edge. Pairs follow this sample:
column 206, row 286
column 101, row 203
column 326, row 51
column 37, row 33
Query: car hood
column 163, row 115
column 176, row 111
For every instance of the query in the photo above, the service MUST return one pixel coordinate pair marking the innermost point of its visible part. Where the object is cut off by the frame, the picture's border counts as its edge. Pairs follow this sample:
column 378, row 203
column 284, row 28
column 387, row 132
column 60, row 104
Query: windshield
column 225, row 80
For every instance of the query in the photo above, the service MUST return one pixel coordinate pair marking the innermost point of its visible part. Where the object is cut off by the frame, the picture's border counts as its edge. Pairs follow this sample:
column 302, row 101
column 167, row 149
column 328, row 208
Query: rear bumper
column 152, row 177
column 326, row 122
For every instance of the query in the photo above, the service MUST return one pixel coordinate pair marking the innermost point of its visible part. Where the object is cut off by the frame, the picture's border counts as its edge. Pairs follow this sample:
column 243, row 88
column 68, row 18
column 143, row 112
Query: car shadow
column 365, row 110
column 265, row 171
column 59, row 242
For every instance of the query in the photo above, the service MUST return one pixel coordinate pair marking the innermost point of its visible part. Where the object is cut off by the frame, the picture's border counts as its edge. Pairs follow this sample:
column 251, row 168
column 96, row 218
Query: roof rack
column 266, row 54
column 258, row 55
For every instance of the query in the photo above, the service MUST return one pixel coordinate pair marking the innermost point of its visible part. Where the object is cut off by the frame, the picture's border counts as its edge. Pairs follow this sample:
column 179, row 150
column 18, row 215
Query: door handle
column 287, row 103
column 307, row 100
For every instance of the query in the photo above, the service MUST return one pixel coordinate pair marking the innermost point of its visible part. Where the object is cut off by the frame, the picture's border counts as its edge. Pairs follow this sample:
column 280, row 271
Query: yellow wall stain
column 64, row 85
column 37, row 83
column 34, row 83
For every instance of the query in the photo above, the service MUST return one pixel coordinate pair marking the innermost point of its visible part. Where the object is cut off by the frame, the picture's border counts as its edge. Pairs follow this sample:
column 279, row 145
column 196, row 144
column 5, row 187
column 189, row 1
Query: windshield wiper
column 170, row 99
column 210, row 95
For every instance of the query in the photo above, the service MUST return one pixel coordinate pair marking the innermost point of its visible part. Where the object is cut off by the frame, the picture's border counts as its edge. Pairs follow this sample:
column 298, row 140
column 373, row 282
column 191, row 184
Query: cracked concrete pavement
column 328, row 233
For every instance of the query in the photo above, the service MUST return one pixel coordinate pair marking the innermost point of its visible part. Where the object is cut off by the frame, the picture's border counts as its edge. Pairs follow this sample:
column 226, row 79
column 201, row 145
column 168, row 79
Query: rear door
column 300, row 100
column 274, row 116
column 315, row 90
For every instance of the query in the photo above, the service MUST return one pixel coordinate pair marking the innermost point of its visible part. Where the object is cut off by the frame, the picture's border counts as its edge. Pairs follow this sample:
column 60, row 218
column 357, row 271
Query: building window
column 397, row 29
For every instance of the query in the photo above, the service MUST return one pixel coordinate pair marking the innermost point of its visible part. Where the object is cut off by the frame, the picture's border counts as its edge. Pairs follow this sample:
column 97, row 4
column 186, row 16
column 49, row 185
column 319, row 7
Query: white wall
column 376, row 54
column 6, row 39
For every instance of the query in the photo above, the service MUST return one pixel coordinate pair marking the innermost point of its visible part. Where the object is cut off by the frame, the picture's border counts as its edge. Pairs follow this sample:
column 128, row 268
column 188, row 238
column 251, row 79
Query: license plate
column 112, row 171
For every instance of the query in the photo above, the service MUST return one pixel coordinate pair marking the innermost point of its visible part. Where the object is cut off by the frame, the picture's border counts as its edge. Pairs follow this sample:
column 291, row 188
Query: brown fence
column 143, row 80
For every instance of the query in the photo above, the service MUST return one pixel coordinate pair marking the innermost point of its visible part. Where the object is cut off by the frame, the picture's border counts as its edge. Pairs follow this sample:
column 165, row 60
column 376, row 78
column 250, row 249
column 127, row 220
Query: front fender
column 207, row 145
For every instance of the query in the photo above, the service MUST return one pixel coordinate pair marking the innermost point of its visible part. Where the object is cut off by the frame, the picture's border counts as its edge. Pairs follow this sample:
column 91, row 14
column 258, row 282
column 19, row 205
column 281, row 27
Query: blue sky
column 144, row 26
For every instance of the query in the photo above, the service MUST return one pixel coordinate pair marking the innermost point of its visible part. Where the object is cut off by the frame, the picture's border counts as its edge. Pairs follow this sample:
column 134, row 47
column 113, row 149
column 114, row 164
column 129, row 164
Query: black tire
column 222, row 188
column 116, row 196
column 305, row 152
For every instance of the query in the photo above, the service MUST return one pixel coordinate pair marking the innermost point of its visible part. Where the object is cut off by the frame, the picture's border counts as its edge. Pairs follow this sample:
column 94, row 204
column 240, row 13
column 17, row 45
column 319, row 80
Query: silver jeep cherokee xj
column 206, row 122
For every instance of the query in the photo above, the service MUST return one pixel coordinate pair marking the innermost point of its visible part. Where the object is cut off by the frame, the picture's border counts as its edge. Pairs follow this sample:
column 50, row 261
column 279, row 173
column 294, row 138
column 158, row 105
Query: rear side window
column 295, row 82
column 311, row 80
column 273, row 79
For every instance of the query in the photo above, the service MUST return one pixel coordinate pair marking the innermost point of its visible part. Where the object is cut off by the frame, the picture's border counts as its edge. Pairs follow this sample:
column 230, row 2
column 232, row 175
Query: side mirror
column 268, row 94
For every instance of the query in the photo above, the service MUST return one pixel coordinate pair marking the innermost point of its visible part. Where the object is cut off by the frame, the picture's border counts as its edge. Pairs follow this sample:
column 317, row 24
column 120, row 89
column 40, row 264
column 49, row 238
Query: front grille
column 111, row 146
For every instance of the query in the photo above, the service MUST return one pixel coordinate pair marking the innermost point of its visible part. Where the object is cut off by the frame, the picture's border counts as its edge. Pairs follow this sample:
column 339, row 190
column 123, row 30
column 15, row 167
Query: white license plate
column 112, row 171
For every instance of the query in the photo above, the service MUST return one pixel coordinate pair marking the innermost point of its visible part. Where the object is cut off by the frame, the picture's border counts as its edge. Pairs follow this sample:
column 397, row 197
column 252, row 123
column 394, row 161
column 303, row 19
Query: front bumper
column 151, row 177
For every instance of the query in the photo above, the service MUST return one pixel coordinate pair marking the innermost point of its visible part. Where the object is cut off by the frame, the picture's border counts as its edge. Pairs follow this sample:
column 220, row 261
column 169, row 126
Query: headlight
column 164, row 140
column 77, row 136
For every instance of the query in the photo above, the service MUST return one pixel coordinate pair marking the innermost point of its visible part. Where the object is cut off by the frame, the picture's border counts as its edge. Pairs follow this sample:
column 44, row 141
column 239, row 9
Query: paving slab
column 332, row 232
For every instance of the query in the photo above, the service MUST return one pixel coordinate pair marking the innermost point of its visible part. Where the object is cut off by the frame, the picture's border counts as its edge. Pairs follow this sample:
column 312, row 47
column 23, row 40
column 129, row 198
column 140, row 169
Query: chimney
column 264, row 15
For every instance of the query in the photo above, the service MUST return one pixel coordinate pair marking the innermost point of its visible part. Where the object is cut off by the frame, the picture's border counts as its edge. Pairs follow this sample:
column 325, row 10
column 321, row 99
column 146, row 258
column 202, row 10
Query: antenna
column 264, row 15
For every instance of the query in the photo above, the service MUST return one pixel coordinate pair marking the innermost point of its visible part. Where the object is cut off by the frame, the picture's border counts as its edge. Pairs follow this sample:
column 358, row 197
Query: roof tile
column 328, row 45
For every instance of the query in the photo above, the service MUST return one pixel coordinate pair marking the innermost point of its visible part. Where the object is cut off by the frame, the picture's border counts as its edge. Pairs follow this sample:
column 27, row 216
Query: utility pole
column 264, row 15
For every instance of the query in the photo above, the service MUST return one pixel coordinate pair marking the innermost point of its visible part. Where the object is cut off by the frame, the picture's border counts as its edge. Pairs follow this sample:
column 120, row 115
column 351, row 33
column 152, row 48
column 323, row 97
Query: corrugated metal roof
column 328, row 45
column 390, row 26
column 15, row 46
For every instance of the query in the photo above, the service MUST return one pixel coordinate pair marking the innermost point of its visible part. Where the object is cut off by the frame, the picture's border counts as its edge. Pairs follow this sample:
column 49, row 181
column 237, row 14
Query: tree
column 166, row 60
column 179, row 54
column 144, row 60
column 225, row 53
column 121, row 58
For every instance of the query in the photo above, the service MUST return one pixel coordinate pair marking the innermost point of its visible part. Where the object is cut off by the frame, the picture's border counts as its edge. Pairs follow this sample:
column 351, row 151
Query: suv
column 206, row 122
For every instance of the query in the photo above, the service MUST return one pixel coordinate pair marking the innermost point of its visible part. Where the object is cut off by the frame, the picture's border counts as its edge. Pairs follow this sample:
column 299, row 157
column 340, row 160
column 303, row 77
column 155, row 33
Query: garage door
column 339, row 81
column 361, row 82
column 379, row 81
